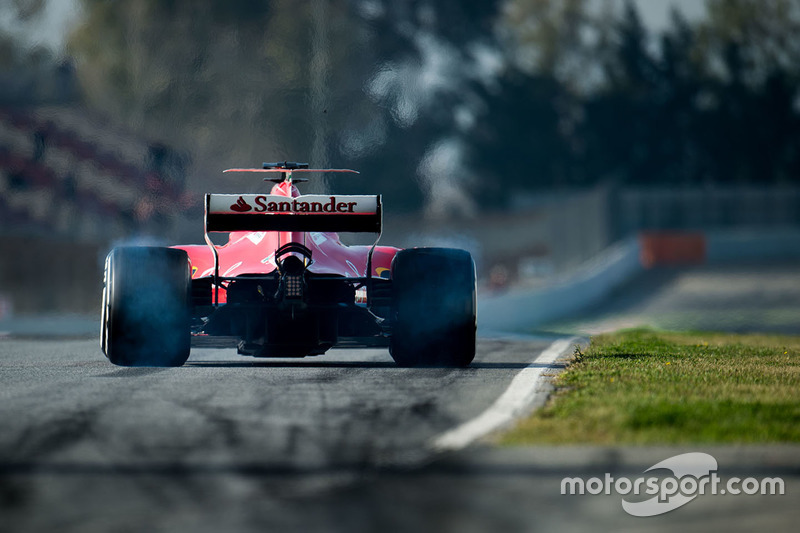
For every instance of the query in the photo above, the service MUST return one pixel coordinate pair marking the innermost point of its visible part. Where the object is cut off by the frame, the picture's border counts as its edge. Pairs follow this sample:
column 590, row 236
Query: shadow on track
column 133, row 372
column 351, row 364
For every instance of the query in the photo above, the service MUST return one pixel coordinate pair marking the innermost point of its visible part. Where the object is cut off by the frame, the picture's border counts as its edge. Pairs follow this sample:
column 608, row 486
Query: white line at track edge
column 514, row 402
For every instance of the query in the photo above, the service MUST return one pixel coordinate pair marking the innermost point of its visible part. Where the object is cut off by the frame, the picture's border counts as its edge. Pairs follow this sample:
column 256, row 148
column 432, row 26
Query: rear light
column 293, row 287
column 292, row 270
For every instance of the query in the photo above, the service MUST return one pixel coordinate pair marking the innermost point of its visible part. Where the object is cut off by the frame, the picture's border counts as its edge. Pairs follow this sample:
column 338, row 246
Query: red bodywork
column 252, row 252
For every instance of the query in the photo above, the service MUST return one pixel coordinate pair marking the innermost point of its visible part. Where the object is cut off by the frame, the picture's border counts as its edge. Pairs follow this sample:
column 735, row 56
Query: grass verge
column 648, row 387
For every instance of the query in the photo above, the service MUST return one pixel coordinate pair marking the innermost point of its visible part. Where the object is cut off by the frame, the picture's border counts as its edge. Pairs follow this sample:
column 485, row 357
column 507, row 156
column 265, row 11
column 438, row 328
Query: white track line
column 514, row 402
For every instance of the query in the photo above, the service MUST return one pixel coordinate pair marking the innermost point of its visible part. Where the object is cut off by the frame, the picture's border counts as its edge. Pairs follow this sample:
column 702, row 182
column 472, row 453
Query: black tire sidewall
column 433, row 313
column 146, row 315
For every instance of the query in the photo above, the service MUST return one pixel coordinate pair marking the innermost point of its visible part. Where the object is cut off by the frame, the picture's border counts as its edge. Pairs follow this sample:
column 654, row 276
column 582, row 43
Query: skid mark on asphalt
column 515, row 401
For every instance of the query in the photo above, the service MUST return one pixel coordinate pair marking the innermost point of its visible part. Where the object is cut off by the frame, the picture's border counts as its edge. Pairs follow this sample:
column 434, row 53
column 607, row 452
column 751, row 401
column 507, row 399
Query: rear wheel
column 434, row 308
column 146, row 307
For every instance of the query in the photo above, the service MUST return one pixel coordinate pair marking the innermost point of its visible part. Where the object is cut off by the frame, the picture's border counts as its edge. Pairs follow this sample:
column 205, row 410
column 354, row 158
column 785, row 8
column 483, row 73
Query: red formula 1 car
column 284, row 285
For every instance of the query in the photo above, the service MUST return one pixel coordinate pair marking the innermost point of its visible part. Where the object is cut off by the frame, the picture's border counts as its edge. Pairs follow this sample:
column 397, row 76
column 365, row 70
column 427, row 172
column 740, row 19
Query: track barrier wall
column 525, row 309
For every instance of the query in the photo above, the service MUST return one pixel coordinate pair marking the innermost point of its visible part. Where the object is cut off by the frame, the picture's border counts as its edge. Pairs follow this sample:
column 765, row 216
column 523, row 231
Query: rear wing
column 311, row 212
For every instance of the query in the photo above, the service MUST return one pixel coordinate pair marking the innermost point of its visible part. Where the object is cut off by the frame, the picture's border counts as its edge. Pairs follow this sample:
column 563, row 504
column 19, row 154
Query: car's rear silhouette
column 284, row 285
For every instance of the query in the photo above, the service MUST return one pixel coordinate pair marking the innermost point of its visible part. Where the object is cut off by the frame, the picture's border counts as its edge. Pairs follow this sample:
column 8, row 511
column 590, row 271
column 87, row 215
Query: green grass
column 648, row 387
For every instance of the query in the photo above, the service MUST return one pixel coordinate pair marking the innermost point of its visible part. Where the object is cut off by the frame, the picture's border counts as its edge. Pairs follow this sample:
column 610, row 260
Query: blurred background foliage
column 534, row 133
column 438, row 102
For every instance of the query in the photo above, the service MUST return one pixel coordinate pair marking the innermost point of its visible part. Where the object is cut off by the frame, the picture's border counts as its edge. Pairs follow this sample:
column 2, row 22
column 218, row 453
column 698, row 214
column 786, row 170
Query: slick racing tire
column 433, row 310
column 145, row 310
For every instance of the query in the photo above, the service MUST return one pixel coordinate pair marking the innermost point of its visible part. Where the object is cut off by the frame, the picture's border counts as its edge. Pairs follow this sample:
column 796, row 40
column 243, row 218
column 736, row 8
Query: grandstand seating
column 57, row 155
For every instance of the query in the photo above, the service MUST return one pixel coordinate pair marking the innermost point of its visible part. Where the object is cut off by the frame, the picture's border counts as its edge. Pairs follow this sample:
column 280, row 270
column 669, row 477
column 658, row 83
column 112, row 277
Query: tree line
column 438, row 102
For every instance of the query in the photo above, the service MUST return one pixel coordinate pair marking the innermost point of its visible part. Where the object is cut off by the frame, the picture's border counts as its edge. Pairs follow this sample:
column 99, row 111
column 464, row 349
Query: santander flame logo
column 241, row 206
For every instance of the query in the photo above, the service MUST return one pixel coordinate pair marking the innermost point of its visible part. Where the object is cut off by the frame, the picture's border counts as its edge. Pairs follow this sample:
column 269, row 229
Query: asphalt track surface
column 224, row 443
